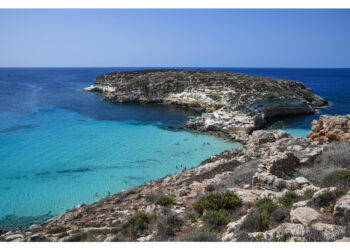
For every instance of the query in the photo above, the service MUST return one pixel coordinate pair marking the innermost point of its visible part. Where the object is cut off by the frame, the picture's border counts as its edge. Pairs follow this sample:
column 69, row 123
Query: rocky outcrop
column 342, row 207
column 234, row 104
column 330, row 128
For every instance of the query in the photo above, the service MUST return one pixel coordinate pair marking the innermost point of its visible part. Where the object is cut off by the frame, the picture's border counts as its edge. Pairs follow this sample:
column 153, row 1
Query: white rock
column 145, row 238
column 35, row 228
column 330, row 232
column 342, row 206
column 301, row 204
column 302, row 180
column 304, row 215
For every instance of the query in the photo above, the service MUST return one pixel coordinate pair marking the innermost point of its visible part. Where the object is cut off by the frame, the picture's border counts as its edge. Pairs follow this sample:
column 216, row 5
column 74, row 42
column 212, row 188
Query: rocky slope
column 263, row 191
column 233, row 103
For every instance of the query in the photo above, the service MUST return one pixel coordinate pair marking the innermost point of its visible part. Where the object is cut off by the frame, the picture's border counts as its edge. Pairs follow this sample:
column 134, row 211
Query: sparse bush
column 281, row 238
column 192, row 218
column 213, row 219
column 336, row 156
column 200, row 236
column 79, row 216
column 166, row 200
column 81, row 236
column 217, row 201
column 61, row 235
column 279, row 215
column 168, row 225
column 289, row 199
column 308, row 193
column 329, row 198
column 137, row 224
column 93, row 224
column 59, row 229
column 338, row 178
column 258, row 219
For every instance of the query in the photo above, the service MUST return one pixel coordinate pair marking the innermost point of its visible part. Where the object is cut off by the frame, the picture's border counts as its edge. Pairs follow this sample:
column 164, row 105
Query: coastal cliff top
column 177, row 80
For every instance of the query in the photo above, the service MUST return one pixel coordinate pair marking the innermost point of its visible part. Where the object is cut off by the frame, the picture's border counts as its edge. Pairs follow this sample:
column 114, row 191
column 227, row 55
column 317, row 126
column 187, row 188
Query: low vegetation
column 291, row 197
column 213, row 219
column 259, row 218
column 168, row 225
column 217, row 201
column 137, row 224
column 59, row 229
column 328, row 199
column 200, row 235
column 335, row 157
column 338, row 178
column 218, row 208
column 166, row 200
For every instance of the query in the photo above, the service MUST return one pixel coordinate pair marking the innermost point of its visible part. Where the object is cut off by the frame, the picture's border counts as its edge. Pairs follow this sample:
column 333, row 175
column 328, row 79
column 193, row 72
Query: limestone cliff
column 232, row 103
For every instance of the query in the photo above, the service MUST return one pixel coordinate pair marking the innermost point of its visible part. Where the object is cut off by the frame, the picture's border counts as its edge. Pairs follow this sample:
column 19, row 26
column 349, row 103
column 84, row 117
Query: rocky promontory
column 274, row 188
column 232, row 103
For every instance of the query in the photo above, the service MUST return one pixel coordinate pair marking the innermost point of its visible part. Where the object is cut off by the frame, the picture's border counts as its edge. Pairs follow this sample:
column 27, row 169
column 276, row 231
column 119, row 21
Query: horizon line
column 164, row 67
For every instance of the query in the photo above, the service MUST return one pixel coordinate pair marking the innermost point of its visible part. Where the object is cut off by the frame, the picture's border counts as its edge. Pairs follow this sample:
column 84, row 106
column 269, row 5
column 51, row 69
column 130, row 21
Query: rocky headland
column 233, row 104
column 274, row 188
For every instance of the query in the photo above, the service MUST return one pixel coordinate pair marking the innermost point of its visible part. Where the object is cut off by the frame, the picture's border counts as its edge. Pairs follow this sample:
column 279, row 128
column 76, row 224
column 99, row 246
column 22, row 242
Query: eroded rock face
column 330, row 128
column 234, row 104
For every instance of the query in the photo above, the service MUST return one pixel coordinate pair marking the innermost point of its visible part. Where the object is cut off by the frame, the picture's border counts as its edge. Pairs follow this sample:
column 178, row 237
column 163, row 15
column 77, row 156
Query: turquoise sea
column 60, row 146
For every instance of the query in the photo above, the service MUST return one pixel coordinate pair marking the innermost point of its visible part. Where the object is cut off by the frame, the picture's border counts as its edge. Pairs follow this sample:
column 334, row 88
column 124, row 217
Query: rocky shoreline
column 232, row 103
column 274, row 188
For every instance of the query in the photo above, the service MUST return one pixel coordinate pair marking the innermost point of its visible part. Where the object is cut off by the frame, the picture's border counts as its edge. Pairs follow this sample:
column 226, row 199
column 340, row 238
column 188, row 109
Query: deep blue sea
column 60, row 146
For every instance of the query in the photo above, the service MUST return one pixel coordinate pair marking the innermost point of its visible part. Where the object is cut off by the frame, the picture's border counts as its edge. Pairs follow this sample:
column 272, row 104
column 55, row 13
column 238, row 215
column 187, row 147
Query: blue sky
column 174, row 37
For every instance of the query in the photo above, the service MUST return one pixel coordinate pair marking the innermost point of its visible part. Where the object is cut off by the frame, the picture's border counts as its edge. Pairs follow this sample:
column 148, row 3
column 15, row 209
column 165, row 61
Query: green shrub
column 61, row 235
column 166, row 200
column 329, row 197
column 168, row 225
column 281, row 238
column 217, row 201
column 289, row 199
column 81, row 236
column 59, row 229
column 137, row 223
column 258, row 219
column 200, row 236
column 79, row 216
column 213, row 219
column 337, row 178
column 308, row 193
column 192, row 218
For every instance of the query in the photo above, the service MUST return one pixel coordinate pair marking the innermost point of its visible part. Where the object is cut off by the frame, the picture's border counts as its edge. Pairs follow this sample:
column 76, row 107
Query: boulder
column 342, row 206
column 330, row 232
column 35, row 228
column 304, row 215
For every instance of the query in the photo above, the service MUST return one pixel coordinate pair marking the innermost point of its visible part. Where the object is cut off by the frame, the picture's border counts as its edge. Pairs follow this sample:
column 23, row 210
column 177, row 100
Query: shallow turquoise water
column 63, row 159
